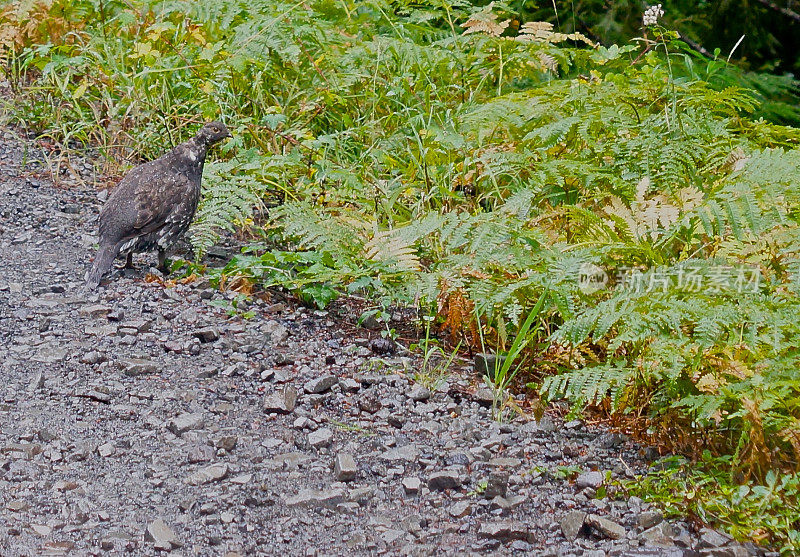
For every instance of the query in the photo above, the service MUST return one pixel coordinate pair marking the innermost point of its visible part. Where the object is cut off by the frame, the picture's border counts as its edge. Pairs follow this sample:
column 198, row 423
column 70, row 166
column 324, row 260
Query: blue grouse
column 154, row 203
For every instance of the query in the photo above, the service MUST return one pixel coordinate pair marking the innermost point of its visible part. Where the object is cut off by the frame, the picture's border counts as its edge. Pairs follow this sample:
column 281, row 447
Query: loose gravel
column 143, row 419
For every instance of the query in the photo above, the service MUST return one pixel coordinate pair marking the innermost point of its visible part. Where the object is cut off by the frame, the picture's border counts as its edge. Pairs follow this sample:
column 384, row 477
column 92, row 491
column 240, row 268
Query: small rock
column 17, row 506
column 41, row 529
column 439, row 481
column 199, row 452
column 37, row 383
column 659, row 535
column 226, row 442
column 520, row 546
column 419, row 393
column 460, row 509
column 281, row 402
column 408, row 453
column 504, row 530
column 136, row 366
column 213, row 473
column 710, row 538
column 320, row 438
column 590, row 479
column 321, row 384
column 604, row 527
column 369, row 403
column 649, row 519
column 500, row 503
column 572, row 524
column 277, row 333
column 106, row 449
column 92, row 358
column 172, row 346
column 396, row 420
column 56, row 548
column 349, row 385
column 227, row 517
column 316, row 498
column 185, row 422
column 161, row 535
column 208, row 334
column 95, row 310
column 361, row 495
column 369, row 321
column 496, row 485
column 344, row 467
column 382, row 346
column 728, row 551
column 116, row 315
column 412, row 485
column 484, row 397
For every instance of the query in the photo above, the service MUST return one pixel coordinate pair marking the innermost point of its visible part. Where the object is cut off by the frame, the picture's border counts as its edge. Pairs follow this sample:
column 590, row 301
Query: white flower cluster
column 652, row 14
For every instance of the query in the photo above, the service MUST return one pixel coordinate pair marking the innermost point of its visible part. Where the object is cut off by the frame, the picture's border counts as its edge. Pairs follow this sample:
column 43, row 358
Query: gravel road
column 142, row 419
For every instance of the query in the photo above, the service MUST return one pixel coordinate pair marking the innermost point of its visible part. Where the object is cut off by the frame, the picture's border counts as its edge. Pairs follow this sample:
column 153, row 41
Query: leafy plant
column 436, row 363
column 766, row 512
column 500, row 378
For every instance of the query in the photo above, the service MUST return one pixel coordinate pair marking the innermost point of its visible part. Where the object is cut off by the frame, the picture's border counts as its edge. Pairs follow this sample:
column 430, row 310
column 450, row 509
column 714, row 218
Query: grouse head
column 212, row 133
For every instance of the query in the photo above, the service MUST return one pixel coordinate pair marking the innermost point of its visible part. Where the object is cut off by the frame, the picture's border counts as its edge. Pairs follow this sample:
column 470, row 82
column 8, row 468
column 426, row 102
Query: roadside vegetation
column 622, row 220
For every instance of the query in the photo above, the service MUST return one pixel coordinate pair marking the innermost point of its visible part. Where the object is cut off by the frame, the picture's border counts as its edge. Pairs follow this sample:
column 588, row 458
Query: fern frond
column 388, row 247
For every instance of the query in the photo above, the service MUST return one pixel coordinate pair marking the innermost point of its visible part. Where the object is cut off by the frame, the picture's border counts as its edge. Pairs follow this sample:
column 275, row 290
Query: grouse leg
column 162, row 261
column 129, row 261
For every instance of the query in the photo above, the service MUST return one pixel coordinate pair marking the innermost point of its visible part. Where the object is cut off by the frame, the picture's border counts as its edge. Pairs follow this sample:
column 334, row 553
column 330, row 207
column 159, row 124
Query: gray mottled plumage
column 154, row 203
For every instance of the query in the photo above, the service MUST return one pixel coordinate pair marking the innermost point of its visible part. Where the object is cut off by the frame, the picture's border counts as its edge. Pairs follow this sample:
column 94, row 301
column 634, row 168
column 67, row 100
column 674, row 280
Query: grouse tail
column 102, row 264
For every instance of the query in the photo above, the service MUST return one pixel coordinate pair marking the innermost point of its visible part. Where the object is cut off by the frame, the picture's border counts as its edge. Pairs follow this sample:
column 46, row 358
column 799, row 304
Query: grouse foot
column 162, row 262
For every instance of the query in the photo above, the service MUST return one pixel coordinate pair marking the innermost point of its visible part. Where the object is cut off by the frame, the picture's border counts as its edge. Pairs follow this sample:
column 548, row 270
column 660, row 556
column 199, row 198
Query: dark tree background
column 767, row 59
column 771, row 29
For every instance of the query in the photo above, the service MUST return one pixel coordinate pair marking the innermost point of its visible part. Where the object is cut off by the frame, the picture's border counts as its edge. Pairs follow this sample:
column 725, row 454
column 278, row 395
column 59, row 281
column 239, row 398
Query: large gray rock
column 649, row 519
column 486, row 364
